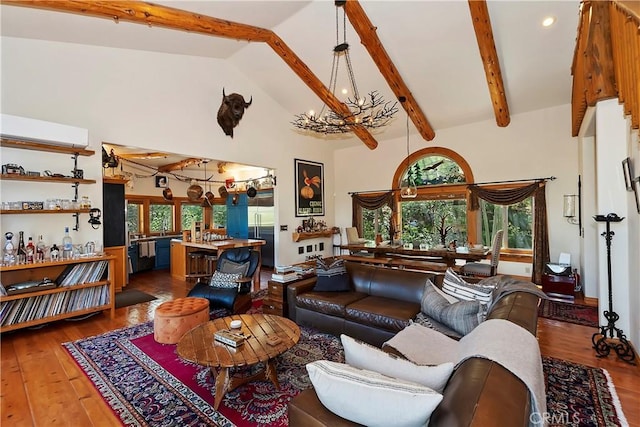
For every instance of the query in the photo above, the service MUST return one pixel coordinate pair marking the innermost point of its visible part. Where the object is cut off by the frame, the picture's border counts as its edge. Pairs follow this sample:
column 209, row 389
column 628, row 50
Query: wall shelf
column 16, row 177
column 42, row 211
column 76, row 298
column 75, row 182
column 311, row 235
column 39, row 146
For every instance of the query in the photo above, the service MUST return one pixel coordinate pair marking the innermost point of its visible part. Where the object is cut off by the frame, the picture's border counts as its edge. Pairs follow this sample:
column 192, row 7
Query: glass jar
column 85, row 203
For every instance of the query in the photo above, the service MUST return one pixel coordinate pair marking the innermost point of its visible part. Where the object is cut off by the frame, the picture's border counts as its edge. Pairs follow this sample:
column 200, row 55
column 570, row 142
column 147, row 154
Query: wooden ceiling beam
column 369, row 38
column 490, row 61
column 175, row 19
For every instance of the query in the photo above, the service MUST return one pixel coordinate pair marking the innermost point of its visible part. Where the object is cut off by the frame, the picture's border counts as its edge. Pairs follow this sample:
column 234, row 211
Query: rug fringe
column 616, row 400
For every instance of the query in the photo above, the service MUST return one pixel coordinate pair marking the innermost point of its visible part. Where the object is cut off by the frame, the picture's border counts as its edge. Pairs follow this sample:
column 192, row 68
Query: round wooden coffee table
column 198, row 346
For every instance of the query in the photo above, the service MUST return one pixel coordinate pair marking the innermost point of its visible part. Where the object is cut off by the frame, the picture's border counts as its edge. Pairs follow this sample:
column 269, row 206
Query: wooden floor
column 42, row 386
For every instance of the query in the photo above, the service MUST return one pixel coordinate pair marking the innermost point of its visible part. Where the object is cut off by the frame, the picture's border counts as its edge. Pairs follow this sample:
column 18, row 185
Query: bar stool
column 195, row 264
column 210, row 263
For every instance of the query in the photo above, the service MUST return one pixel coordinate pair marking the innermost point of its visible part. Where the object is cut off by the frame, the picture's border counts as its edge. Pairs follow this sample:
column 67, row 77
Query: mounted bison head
column 231, row 111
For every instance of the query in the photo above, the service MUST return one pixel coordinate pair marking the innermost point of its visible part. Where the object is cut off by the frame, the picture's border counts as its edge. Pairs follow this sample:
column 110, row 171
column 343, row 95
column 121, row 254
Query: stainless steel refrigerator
column 261, row 223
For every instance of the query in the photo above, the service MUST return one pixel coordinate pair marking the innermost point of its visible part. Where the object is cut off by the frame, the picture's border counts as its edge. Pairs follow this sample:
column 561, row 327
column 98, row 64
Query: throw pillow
column 456, row 286
column 431, row 323
column 364, row 356
column 462, row 316
column 332, row 277
column 370, row 398
column 227, row 266
column 224, row 280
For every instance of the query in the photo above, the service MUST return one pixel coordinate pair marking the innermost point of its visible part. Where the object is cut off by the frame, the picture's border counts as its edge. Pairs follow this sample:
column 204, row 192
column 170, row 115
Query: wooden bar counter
column 180, row 249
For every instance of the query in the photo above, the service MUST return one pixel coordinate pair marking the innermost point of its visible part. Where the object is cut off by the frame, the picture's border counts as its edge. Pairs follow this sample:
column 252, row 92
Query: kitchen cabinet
column 238, row 216
column 133, row 257
column 163, row 253
column 120, row 276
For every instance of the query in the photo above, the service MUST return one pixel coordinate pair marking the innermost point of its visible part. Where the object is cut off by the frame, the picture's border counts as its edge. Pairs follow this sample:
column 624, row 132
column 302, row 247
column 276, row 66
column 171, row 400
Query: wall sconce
column 569, row 208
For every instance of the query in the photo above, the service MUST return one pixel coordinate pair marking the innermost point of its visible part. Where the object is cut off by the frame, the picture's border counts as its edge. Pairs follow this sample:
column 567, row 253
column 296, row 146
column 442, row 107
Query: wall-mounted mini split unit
column 27, row 129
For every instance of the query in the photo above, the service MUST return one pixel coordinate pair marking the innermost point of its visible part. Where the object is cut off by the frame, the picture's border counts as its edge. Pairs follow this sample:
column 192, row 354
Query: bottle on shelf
column 9, row 250
column 67, row 244
column 55, row 252
column 22, row 249
column 30, row 250
column 41, row 247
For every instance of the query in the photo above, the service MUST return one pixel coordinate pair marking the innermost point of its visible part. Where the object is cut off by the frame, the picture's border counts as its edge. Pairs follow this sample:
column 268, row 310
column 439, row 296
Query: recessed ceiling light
column 548, row 21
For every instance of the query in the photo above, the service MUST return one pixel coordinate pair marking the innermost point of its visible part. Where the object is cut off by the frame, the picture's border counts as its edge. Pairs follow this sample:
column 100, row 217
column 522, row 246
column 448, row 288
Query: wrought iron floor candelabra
column 603, row 340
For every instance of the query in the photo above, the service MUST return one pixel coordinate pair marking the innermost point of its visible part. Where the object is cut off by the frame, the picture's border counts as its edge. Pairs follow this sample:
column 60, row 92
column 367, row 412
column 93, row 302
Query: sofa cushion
column 462, row 316
column 424, row 320
column 457, row 287
column 331, row 303
column 370, row 398
column 380, row 312
column 228, row 266
column 332, row 277
column 224, row 280
column 365, row 356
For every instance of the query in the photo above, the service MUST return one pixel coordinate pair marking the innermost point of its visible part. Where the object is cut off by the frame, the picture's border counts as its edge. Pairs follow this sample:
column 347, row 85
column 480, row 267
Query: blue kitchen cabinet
column 163, row 253
column 238, row 217
column 133, row 256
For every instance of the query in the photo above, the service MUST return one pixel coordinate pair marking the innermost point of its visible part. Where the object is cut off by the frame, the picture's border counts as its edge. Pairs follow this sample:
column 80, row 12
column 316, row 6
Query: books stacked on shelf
column 284, row 273
column 87, row 272
column 285, row 276
column 282, row 269
column 33, row 308
column 304, row 270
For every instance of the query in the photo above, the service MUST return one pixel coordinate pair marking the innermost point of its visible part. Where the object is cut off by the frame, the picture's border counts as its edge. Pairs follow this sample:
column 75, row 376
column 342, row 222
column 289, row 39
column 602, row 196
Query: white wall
column 536, row 144
column 615, row 142
column 154, row 101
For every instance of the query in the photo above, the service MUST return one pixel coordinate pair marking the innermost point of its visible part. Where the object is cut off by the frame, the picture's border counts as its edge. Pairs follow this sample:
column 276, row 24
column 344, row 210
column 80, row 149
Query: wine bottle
column 67, row 244
column 30, row 250
column 22, row 250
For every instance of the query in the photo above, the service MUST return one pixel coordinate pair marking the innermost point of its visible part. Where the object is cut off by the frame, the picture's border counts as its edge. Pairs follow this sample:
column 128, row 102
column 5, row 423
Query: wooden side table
column 562, row 285
column 276, row 300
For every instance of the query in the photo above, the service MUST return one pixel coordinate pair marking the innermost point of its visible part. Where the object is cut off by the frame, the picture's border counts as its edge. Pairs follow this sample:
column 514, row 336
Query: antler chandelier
column 371, row 112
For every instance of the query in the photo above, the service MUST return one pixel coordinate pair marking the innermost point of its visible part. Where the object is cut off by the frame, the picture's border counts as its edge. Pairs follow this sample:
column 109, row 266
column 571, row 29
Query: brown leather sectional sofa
column 479, row 393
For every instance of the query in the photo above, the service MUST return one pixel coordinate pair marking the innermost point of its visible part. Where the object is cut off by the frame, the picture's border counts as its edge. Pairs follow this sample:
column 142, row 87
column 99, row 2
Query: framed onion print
column 309, row 188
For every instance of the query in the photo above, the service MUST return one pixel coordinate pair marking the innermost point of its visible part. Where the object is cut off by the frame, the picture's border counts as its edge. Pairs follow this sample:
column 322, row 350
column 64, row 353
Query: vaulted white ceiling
column 432, row 44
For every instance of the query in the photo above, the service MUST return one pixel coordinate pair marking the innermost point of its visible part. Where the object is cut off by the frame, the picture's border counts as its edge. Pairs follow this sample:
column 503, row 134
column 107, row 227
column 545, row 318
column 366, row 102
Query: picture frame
column 628, row 174
column 636, row 192
column 161, row 181
column 309, row 188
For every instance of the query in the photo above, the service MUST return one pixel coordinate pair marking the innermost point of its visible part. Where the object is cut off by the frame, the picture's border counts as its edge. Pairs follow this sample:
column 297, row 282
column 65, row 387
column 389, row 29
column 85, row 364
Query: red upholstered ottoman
column 174, row 318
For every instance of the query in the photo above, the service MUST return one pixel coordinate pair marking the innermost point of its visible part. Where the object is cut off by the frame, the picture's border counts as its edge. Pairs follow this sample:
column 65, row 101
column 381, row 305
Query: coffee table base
column 225, row 382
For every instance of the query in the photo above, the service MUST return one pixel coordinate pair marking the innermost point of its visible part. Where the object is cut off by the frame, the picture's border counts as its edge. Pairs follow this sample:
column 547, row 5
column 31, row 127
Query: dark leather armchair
column 235, row 299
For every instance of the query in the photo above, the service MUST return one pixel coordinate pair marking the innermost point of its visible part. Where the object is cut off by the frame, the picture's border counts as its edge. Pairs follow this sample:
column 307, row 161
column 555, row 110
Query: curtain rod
column 549, row 178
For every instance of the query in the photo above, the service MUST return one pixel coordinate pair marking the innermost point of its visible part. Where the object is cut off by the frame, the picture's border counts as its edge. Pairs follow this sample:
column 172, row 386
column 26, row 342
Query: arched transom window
column 440, row 213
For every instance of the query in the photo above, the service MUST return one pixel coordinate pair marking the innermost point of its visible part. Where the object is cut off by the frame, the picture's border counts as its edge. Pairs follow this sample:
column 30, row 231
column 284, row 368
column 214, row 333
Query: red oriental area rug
column 567, row 312
column 147, row 384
